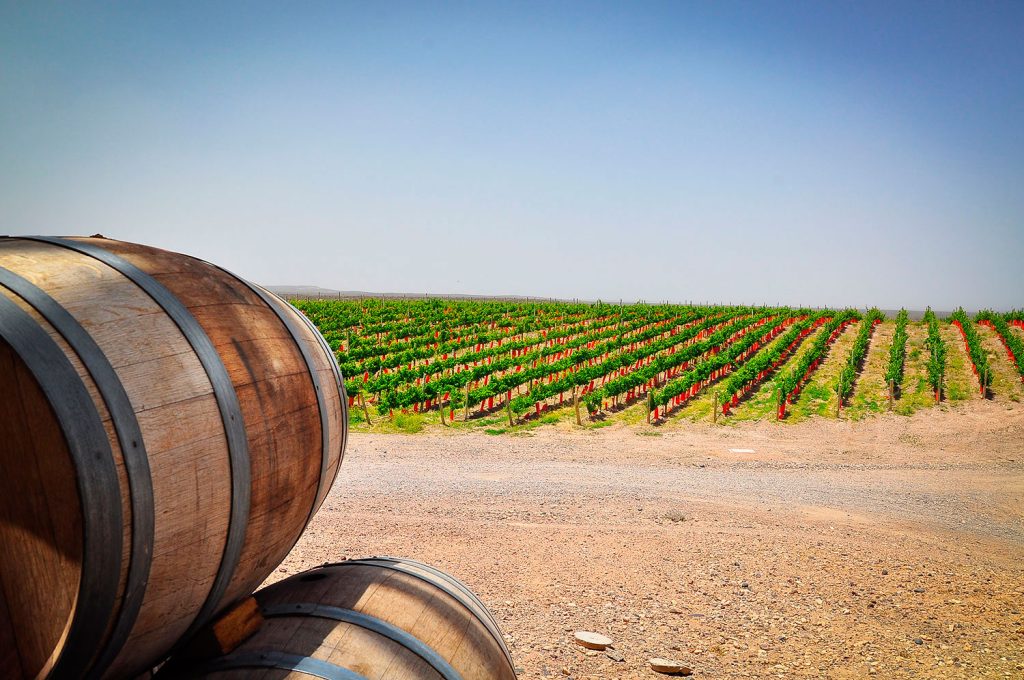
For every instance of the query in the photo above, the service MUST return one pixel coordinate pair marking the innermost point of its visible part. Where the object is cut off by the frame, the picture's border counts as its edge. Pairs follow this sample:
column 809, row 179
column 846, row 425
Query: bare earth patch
column 892, row 546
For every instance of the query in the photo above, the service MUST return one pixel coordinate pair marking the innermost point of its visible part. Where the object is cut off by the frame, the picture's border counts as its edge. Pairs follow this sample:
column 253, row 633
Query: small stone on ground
column 669, row 667
column 590, row 640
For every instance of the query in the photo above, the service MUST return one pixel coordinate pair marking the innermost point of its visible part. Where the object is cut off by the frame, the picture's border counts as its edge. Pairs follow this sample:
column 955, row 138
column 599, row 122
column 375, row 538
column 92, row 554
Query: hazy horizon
column 817, row 154
column 315, row 292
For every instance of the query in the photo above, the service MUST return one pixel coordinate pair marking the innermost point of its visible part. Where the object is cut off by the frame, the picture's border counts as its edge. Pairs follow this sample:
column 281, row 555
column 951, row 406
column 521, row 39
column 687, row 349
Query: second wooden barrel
column 167, row 430
column 380, row 618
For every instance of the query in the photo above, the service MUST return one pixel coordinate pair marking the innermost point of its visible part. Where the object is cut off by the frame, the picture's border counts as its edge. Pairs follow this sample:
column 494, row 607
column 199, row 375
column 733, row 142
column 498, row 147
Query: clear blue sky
column 805, row 153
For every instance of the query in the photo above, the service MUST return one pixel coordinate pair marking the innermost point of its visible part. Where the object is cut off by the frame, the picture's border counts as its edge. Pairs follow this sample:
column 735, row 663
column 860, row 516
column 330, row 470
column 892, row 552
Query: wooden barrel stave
column 195, row 280
column 384, row 618
column 451, row 585
column 178, row 417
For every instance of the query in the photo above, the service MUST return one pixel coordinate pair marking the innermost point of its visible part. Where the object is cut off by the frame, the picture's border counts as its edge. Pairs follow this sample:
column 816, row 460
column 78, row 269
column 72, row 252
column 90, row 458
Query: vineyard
column 509, row 365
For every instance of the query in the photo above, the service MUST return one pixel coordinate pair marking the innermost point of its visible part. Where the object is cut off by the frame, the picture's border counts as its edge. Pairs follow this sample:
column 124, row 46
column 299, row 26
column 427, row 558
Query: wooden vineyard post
column 892, row 390
column 466, row 415
column 576, row 405
column 508, row 407
column 839, row 398
column 440, row 409
column 714, row 406
column 366, row 411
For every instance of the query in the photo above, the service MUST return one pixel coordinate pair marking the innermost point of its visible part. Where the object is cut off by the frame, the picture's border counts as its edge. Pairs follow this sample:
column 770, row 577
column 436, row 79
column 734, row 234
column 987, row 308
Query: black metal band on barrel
column 321, row 398
column 320, row 338
column 272, row 659
column 448, row 584
column 370, row 623
column 330, row 353
column 133, row 450
column 98, row 487
column 227, row 404
column 337, row 376
column 334, row 367
column 445, row 576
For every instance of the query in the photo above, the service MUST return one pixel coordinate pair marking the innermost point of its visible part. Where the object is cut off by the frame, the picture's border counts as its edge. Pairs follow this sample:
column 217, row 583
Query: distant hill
column 307, row 292
column 316, row 292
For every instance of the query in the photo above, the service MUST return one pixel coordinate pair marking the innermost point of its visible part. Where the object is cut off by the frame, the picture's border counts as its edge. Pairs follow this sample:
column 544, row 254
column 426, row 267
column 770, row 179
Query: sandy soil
column 891, row 547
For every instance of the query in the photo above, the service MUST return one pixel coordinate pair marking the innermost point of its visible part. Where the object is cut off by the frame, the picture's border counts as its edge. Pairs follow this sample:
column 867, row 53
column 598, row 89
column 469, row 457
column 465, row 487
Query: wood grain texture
column 417, row 606
column 229, row 630
column 177, row 413
column 260, row 355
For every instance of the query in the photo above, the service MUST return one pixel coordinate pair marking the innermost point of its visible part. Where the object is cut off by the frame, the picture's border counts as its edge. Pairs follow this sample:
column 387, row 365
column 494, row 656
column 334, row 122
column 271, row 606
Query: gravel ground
column 891, row 547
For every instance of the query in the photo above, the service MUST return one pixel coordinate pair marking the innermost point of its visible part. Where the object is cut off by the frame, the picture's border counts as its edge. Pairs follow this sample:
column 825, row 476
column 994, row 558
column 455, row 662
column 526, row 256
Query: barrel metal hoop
column 337, row 376
column 321, row 398
column 227, row 404
column 266, row 295
column 448, row 584
column 370, row 623
column 133, row 449
column 443, row 575
column 319, row 336
column 98, row 487
column 461, row 587
column 281, row 660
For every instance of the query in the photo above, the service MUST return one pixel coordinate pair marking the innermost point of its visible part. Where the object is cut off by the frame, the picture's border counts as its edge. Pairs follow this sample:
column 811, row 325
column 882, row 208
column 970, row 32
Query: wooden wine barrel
column 167, row 430
column 373, row 618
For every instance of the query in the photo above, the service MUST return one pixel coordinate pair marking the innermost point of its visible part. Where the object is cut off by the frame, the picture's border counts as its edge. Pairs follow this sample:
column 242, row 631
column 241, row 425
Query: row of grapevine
column 633, row 366
column 722, row 363
column 897, row 355
column 624, row 373
column 764, row 364
column 972, row 343
column 936, row 354
column 381, row 323
column 413, row 350
column 621, row 346
column 498, row 356
column 666, row 368
column 1012, row 343
column 511, row 371
column 791, row 383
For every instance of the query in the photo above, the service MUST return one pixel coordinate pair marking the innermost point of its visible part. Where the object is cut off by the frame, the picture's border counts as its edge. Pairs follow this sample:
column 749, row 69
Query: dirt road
column 891, row 547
